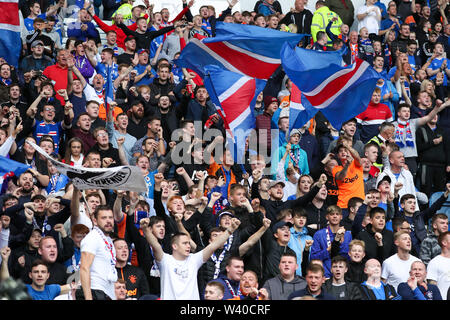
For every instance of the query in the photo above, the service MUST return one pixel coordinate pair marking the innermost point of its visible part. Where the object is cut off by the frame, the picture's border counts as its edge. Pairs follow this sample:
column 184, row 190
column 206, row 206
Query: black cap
column 281, row 224
column 385, row 178
column 128, row 38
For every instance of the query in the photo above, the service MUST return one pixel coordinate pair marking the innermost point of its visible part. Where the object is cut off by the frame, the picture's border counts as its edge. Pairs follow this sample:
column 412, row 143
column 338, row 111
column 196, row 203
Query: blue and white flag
column 339, row 92
column 232, row 94
column 10, row 42
column 247, row 50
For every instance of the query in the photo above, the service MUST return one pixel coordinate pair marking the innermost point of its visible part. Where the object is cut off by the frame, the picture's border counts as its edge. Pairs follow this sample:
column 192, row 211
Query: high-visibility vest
column 320, row 20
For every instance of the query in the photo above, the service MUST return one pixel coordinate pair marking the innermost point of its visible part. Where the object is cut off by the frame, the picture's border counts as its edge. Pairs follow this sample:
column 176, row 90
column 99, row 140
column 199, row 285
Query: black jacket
column 143, row 40
column 420, row 218
column 352, row 291
column 390, row 293
column 302, row 19
column 355, row 272
column 430, row 153
column 135, row 280
column 373, row 251
column 273, row 207
column 272, row 254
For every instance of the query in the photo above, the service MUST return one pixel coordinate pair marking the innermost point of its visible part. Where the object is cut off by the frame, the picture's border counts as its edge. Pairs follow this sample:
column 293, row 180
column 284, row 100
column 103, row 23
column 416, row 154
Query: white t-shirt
column 370, row 21
column 103, row 271
column 179, row 278
column 395, row 270
column 439, row 270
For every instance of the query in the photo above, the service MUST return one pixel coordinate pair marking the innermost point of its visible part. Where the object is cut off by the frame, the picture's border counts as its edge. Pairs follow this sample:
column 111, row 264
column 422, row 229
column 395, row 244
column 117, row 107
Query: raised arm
column 433, row 113
column 117, row 207
column 4, row 272
column 75, row 206
column 220, row 240
column 151, row 239
column 251, row 241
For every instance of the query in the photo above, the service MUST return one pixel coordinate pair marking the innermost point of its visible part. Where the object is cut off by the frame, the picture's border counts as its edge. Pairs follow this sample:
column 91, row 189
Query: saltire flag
column 232, row 94
column 10, row 168
column 247, row 50
column 10, row 42
column 339, row 92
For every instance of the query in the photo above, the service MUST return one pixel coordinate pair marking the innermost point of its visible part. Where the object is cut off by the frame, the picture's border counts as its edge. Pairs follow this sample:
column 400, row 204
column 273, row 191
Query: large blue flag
column 248, row 50
column 9, row 168
column 109, row 88
column 232, row 94
column 339, row 92
column 10, row 42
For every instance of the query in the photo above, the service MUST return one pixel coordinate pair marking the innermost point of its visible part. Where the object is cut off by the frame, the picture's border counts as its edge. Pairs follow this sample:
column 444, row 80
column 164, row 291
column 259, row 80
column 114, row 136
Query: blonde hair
column 356, row 242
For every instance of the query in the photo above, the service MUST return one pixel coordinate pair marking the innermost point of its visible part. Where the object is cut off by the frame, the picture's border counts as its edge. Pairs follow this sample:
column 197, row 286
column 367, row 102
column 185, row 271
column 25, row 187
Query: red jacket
column 120, row 34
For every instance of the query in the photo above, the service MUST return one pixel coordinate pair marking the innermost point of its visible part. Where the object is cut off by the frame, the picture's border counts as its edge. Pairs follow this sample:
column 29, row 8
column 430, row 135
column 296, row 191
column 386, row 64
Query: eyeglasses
column 49, row 109
column 101, row 134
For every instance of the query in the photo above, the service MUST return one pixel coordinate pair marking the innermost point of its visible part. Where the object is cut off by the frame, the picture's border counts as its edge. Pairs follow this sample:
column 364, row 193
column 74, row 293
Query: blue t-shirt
column 150, row 182
column 387, row 23
column 50, row 292
column 53, row 129
column 436, row 64
column 378, row 292
column 146, row 79
column 28, row 22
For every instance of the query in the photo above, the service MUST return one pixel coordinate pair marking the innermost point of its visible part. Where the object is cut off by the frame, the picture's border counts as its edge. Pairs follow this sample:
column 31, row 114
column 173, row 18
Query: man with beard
column 137, row 124
column 170, row 116
column 154, row 131
column 249, row 288
column 26, row 188
column 134, row 277
column 98, row 259
column 202, row 109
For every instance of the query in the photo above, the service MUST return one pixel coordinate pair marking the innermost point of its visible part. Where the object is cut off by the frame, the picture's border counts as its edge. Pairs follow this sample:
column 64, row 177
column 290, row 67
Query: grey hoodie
column 279, row 289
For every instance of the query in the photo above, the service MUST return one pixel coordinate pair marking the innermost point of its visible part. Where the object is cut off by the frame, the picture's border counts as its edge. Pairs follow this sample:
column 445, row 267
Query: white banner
column 127, row 178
